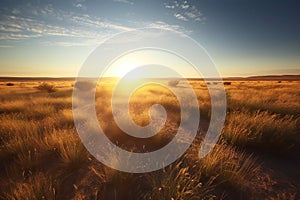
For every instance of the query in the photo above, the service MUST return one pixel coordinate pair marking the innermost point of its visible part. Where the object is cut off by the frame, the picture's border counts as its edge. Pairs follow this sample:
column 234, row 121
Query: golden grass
column 20, row 141
column 46, row 87
column 178, row 182
column 277, row 98
column 69, row 148
column 230, row 167
column 38, row 140
column 263, row 130
column 36, row 188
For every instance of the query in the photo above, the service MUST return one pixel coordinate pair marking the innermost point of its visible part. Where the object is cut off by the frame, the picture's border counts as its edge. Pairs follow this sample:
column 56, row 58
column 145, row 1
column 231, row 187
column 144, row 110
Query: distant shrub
column 46, row 87
column 174, row 82
column 10, row 84
column 227, row 83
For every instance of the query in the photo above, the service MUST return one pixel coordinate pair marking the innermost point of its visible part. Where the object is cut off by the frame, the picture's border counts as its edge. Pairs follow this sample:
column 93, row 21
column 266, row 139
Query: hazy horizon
column 166, row 77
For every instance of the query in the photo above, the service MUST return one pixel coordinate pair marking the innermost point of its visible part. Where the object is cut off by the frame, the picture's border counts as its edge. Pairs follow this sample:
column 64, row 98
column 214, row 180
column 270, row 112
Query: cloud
column 13, row 36
column 169, row 7
column 161, row 25
column 5, row 28
column 180, row 17
column 169, row 27
column 124, row 1
column 68, row 43
column 80, row 4
column 54, row 26
column 185, row 11
column 86, row 20
column 185, row 6
column 194, row 13
column 6, row 46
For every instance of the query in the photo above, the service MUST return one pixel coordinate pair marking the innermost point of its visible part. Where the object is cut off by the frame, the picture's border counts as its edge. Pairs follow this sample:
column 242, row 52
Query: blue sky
column 53, row 38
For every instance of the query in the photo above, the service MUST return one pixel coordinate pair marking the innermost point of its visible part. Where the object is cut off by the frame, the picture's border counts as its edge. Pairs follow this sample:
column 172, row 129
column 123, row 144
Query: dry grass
column 231, row 167
column 179, row 182
column 277, row 98
column 21, row 141
column 46, row 87
column 38, row 140
column 263, row 130
column 71, row 151
column 36, row 188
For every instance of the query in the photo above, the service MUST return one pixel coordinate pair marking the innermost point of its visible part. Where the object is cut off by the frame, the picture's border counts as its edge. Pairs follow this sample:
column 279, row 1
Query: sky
column 243, row 37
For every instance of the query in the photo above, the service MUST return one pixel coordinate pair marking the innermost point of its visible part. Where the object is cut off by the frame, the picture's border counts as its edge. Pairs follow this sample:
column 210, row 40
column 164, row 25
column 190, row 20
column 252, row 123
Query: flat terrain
column 256, row 157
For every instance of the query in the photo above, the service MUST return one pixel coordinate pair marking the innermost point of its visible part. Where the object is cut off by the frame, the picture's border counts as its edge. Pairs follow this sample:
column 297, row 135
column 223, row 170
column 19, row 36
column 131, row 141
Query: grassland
column 257, row 156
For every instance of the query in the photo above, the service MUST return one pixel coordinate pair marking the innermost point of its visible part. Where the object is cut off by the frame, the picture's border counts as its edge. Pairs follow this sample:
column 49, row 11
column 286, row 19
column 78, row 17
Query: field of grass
column 256, row 157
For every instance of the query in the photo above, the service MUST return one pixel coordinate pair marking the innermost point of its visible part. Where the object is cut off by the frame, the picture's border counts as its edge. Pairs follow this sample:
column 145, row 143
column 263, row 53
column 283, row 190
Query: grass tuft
column 46, row 87
column 37, row 188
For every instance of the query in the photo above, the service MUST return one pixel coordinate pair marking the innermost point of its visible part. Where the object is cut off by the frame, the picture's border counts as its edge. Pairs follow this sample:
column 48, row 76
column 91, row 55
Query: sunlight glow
column 128, row 62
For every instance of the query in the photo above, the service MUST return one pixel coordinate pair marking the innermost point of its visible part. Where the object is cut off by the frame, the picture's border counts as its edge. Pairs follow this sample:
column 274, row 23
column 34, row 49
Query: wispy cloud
column 169, row 6
column 185, row 11
column 6, row 46
column 124, row 1
column 180, row 17
column 193, row 13
column 95, row 22
column 80, row 4
column 56, row 27
column 77, row 29
column 166, row 26
column 4, row 28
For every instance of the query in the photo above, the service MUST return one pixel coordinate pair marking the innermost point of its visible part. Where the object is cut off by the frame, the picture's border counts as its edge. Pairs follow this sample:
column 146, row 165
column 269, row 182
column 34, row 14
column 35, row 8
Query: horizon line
column 117, row 77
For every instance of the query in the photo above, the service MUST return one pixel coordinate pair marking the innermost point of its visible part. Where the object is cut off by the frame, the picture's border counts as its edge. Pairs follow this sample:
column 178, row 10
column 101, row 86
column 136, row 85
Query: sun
column 122, row 66
column 125, row 71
